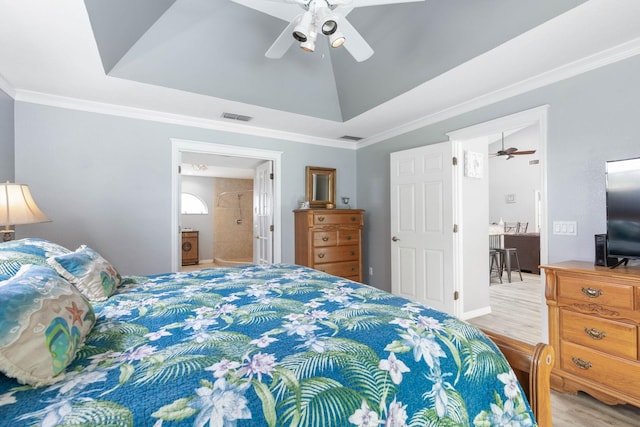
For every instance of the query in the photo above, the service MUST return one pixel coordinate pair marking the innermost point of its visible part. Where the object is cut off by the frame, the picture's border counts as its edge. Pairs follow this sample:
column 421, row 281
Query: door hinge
column 455, row 228
column 271, row 175
column 456, row 295
column 455, row 161
column 179, row 169
column 271, row 227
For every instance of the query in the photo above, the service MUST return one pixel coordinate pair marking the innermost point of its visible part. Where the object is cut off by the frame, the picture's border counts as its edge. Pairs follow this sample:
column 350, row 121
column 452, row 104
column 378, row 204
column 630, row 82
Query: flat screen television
column 623, row 208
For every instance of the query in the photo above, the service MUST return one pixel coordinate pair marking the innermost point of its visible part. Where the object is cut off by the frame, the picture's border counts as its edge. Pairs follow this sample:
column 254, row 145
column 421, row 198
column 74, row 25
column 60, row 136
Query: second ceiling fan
column 511, row 151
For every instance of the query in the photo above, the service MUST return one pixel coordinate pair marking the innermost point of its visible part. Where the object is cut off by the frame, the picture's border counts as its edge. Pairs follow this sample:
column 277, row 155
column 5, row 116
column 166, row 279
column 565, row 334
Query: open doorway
column 473, row 265
column 229, row 161
column 223, row 227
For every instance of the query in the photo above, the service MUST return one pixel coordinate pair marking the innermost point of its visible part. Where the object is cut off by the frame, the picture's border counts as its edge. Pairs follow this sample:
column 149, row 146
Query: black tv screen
column 623, row 208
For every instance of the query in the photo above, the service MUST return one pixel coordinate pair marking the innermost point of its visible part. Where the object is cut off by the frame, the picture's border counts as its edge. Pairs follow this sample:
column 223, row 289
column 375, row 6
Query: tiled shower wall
column 233, row 219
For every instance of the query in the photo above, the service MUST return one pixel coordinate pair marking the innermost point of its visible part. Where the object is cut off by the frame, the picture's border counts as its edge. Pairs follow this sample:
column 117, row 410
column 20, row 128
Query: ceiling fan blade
column 354, row 43
column 282, row 43
column 363, row 3
column 524, row 152
column 285, row 11
column 510, row 150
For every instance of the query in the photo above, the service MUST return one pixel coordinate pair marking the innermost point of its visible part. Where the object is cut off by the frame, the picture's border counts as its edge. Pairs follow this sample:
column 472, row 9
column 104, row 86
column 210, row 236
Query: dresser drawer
column 335, row 218
column 348, row 237
column 325, row 238
column 350, row 270
column 608, row 336
column 338, row 253
column 594, row 290
column 619, row 374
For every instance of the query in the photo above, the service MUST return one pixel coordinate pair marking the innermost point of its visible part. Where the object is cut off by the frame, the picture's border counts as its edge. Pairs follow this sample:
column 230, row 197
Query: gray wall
column 6, row 138
column 592, row 118
column 105, row 181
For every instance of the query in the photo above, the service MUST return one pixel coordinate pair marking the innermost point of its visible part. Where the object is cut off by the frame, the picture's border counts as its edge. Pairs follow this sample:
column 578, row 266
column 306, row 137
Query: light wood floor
column 517, row 312
column 198, row 266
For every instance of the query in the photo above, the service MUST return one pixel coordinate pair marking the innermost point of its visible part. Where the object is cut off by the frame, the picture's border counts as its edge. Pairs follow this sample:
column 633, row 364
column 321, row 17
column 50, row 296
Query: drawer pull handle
column 348, row 237
column 353, row 269
column 592, row 292
column 595, row 334
column 580, row 363
column 321, row 255
column 325, row 239
column 353, row 218
column 353, row 253
column 321, row 218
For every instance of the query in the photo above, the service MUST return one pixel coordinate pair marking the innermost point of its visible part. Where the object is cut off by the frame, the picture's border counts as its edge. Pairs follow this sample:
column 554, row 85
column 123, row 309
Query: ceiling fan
column 317, row 17
column 510, row 152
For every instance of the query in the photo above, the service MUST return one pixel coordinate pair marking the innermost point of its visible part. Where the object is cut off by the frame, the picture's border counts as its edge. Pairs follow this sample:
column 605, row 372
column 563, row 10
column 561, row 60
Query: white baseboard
column 475, row 313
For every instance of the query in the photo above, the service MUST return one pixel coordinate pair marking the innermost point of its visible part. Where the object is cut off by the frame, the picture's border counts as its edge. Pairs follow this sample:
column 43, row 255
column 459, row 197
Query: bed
column 269, row 345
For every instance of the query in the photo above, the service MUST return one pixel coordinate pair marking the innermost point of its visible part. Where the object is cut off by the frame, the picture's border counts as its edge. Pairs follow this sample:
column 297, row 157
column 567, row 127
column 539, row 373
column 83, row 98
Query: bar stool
column 507, row 253
column 495, row 264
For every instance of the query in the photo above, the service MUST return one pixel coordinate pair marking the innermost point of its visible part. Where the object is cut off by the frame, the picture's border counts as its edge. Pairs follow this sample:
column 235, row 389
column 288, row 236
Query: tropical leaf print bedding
column 278, row 345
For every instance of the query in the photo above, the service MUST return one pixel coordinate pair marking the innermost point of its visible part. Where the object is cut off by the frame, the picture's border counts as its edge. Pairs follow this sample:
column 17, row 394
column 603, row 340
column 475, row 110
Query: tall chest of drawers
column 330, row 240
column 594, row 328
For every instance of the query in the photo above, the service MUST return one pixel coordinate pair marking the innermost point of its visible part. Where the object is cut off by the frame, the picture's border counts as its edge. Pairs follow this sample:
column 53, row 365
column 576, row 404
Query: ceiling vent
column 351, row 138
column 234, row 116
column 534, row 162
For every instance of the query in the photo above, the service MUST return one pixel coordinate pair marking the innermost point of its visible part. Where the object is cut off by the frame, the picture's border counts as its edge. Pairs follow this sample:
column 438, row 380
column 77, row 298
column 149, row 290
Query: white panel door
column 263, row 214
column 422, row 225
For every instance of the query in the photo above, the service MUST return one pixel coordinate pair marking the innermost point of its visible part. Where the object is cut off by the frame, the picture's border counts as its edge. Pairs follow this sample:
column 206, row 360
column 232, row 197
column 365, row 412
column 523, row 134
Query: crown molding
column 170, row 118
column 589, row 63
column 601, row 59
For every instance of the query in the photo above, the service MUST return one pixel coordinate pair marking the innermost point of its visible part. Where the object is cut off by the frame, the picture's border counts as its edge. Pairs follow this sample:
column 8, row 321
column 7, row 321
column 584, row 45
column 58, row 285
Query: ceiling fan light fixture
column 329, row 27
column 303, row 28
column 336, row 39
column 310, row 44
column 328, row 22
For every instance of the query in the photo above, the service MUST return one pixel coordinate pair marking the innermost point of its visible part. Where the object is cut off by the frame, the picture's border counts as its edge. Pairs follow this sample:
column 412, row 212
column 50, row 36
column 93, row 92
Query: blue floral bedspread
column 278, row 345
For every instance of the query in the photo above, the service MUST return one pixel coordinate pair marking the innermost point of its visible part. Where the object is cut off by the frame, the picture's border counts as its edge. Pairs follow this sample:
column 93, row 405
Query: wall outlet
column 565, row 228
column 370, row 271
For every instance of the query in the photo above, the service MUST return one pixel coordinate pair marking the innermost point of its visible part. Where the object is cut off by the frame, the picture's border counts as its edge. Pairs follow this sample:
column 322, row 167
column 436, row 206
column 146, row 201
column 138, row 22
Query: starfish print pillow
column 43, row 322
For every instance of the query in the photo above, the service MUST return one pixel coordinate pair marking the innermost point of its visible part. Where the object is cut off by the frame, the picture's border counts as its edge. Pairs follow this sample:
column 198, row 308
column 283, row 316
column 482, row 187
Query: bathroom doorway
column 226, row 177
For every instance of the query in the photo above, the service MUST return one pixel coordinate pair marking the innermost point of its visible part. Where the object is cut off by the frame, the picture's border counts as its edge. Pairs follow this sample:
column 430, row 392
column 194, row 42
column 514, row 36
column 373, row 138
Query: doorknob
column 395, row 239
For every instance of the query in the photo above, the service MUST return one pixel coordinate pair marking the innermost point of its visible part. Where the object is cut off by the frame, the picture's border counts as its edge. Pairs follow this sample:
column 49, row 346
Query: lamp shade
column 17, row 206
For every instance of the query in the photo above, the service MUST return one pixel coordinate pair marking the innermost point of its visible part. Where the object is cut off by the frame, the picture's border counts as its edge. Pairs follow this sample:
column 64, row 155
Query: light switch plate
column 565, row 228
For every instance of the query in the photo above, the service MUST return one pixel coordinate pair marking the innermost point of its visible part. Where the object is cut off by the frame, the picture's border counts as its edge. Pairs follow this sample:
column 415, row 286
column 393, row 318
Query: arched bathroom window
column 193, row 205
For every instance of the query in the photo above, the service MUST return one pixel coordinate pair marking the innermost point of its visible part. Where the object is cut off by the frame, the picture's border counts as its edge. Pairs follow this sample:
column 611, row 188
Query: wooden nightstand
column 190, row 254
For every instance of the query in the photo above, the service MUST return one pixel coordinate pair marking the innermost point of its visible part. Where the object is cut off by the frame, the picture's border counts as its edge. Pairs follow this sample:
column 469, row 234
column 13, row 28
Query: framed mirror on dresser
column 321, row 187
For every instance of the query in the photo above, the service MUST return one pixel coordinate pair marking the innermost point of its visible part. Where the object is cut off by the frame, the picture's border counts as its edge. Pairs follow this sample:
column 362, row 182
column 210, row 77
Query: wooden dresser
column 190, row 252
column 330, row 240
column 594, row 318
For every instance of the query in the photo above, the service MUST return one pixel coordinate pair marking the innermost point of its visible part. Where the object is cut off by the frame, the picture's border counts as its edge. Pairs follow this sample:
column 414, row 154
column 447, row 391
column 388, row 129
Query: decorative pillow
column 85, row 268
column 43, row 323
column 16, row 253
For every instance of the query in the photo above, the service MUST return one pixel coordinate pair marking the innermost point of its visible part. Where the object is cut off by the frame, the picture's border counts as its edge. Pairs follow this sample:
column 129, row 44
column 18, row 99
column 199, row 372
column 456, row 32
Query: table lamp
column 17, row 207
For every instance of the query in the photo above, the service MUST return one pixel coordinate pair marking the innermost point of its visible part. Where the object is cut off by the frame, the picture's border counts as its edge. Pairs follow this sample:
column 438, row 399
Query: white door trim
column 539, row 116
column 179, row 146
